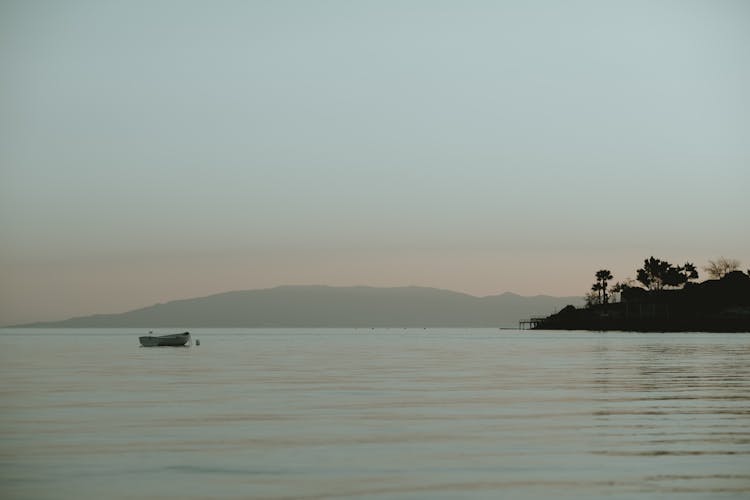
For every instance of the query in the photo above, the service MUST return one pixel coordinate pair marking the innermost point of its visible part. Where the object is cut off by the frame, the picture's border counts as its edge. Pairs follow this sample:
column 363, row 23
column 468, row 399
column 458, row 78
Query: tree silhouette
column 602, row 277
column 653, row 273
column 689, row 271
column 656, row 274
column 720, row 267
column 594, row 297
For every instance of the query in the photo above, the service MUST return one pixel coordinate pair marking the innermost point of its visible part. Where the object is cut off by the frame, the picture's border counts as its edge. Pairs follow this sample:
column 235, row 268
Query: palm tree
column 602, row 277
column 595, row 297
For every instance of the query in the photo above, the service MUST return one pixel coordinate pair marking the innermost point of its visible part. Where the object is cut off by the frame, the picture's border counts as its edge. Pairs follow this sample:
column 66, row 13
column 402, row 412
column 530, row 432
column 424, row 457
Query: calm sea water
column 375, row 414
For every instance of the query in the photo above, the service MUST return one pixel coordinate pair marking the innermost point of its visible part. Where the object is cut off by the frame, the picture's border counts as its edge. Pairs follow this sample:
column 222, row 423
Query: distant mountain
column 325, row 306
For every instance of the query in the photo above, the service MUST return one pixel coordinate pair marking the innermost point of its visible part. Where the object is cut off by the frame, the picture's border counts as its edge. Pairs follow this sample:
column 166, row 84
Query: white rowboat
column 173, row 340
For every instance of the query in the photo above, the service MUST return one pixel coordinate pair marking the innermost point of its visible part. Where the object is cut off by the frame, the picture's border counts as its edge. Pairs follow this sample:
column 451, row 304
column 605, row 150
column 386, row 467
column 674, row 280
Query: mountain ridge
column 328, row 306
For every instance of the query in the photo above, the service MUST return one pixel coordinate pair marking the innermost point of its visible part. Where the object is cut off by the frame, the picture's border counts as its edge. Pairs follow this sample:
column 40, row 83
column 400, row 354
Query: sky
column 157, row 150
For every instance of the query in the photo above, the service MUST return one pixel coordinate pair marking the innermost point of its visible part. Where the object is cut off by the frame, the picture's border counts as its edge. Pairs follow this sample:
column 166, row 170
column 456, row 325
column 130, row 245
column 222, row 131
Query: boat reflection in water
column 173, row 340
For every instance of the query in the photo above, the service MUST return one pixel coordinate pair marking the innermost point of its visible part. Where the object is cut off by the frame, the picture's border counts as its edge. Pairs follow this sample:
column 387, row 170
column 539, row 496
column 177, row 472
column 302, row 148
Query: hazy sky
column 167, row 149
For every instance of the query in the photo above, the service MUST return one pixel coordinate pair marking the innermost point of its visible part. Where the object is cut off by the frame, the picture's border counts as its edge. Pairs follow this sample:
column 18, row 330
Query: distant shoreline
column 721, row 305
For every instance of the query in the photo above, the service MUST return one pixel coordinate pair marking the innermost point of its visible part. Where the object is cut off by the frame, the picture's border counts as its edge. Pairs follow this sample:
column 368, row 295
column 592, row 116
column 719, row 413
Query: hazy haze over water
column 419, row 414
column 160, row 150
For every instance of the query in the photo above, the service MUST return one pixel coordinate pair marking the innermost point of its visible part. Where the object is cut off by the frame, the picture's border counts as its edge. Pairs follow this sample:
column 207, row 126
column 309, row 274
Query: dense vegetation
column 664, row 297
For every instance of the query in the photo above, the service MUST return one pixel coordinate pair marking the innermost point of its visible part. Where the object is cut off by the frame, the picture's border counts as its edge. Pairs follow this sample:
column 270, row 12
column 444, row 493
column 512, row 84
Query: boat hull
column 174, row 340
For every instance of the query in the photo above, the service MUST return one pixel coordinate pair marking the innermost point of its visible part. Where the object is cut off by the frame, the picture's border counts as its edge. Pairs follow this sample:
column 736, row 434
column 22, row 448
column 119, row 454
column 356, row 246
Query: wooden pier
column 530, row 324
